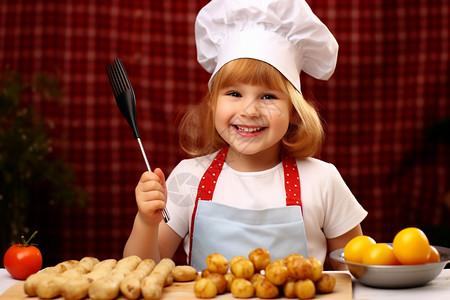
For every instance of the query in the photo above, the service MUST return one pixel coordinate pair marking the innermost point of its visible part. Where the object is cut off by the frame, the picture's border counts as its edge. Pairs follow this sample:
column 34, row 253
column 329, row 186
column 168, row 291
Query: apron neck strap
column 209, row 179
column 291, row 181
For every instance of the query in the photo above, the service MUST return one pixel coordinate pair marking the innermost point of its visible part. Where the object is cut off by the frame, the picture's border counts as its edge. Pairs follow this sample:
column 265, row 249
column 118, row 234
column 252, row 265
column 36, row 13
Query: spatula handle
column 164, row 211
column 143, row 154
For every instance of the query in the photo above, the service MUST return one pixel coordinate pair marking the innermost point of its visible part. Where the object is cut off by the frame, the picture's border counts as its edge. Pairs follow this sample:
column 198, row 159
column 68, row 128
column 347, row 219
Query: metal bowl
column 404, row 276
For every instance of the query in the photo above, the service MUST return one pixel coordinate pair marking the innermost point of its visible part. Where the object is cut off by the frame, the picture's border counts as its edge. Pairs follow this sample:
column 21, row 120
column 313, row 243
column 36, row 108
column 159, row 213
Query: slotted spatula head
column 123, row 92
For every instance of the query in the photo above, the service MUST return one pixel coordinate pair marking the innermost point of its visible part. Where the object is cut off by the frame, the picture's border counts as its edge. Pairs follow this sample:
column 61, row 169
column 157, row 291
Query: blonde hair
column 197, row 132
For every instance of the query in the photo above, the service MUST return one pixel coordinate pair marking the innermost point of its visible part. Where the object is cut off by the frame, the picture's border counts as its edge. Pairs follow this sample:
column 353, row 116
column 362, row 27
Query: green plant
column 30, row 174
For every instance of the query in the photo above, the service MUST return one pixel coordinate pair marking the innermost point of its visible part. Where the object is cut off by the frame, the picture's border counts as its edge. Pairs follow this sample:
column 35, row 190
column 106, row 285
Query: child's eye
column 233, row 94
column 269, row 97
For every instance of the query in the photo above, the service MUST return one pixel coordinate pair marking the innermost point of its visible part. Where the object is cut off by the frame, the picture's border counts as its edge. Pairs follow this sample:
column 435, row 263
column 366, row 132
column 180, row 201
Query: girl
column 253, row 182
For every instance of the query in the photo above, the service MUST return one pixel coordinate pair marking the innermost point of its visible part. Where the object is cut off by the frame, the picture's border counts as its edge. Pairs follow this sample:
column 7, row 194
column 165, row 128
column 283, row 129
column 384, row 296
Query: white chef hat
column 284, row 33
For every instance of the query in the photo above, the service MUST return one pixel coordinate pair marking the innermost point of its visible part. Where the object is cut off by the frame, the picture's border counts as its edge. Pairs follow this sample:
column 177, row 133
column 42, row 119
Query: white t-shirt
column 329, row 207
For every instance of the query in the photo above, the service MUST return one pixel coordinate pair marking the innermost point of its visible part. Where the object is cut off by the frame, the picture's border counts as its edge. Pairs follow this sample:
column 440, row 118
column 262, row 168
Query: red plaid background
column 391, row 85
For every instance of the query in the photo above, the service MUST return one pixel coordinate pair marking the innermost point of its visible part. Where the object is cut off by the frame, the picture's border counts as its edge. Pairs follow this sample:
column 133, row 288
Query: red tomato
column 22, row 260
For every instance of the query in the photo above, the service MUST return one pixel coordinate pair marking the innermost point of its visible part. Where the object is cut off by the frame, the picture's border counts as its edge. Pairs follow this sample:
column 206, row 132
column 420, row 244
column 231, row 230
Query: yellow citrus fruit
column 379, row 254
column 434, row 255
column 355, row 249
column 411, row 246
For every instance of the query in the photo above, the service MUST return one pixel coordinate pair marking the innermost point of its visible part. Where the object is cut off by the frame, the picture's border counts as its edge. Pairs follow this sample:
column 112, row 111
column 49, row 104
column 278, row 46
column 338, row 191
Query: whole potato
column 299, row 268
column 217, row 263
column 184, row 273
column 325, row 284
column 305, row 289
column 317, row 268
column 220, row 282
column 235, row 259
column 229, row 277
column 206, row 272
column 289, row 288
column 256, row 278
column 279, row 261
column 266, row 290
column 205, row 288
column 260, row 258
column 291, row 256
column 277, row 273
column 242, row 288
column 243, row 268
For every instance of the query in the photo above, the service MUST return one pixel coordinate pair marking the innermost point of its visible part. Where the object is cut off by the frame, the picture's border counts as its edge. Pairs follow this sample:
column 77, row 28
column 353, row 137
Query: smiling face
column 252, row 119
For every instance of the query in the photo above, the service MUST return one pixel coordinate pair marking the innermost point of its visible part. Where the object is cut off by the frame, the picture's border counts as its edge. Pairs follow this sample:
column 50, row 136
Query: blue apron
column 231, row 231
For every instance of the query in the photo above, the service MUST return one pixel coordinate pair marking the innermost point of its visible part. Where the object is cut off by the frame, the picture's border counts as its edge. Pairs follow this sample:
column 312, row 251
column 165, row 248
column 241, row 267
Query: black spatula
column 126, row 101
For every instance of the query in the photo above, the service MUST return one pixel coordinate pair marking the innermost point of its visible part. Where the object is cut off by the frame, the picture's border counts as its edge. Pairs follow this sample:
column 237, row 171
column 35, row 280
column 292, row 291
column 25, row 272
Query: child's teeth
column 246, row 129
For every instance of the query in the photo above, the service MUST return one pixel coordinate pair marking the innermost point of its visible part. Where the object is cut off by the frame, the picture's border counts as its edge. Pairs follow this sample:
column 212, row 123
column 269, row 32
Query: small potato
column 277, row 273
column 32, row 282
column 256, row 278
column 266, row 289
column 217, row 263
column 279, row 262
column 243, row 268
column 220, row 282
column 291, row 256
column 205, row 288
column 260, row 258
column 325, row 284
column 235, row 259
column 242, row 288
column 289, row 288
column 305, row 289
column 317, row 268
column 205, row 273
column 229, row 277
column 152, row 286
column 299, row 268
column 184, row 273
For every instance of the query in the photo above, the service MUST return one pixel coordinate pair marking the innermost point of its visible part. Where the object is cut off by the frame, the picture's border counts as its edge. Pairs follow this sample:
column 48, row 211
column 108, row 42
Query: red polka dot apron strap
column 291, row 182
column 208, row 182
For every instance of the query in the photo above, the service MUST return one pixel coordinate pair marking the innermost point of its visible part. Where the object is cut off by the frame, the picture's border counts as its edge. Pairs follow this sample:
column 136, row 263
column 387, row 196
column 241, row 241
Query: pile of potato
column 102, row 280
column 292, row 277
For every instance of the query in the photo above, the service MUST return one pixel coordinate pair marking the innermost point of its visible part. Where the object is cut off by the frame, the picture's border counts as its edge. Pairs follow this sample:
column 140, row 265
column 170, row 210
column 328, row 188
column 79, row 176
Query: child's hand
column 151, row 195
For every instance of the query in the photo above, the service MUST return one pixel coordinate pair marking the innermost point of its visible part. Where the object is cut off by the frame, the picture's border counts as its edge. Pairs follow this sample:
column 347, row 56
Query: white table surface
column 438, row 289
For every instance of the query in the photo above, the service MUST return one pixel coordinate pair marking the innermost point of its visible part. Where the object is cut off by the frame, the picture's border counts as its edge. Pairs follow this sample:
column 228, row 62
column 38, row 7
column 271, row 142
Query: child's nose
column 250, row 108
